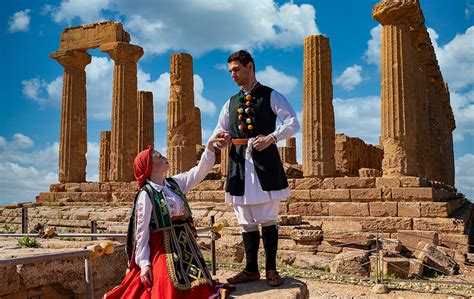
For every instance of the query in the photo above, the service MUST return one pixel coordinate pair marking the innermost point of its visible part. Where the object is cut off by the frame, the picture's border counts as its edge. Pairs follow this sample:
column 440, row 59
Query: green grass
column 28, row 242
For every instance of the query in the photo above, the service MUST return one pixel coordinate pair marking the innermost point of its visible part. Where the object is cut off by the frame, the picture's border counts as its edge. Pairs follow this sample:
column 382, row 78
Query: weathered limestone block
column 348, row 209
column 45, row 197
column 383, row 209
column 329, row 247
column 104, row 159
column 293, row 170
column 302, row 236
column 398, row 266
column 331, row 195
column 290, row 219
column 96, row 196
column 352, row 154
column 181, row 130
column 356, row 238
column 352, row 263
column 230, row 249
column 123, row 143
column 455, row 241
column 387, row 182
column 409, row 209
column 451, row 225
column 318, row 112
column 123, row 196
column 308, row 183
column 300, row 195
column 209, row 185
column 90, row 187
column 436, row 258
column 57, row 188
column 410, row 181
column 73, row 132
column 438, row 209
column 366, row 194
column 92, row 35
column 413, row 194
column 354, row 182
column 307, row 209
column 369, row 172
column 391, row 247
column 411, row 238
column 146, row 132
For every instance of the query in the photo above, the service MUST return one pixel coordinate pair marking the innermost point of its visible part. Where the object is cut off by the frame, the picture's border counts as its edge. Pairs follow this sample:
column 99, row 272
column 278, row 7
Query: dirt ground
column 294, row 288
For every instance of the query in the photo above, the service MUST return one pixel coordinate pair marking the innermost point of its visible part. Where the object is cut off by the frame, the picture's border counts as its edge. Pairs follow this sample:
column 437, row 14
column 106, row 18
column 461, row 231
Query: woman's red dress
column 162, row 286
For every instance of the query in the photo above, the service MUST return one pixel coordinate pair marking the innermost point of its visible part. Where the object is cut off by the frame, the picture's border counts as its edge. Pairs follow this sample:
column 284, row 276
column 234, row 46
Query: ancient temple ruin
column 345, row 189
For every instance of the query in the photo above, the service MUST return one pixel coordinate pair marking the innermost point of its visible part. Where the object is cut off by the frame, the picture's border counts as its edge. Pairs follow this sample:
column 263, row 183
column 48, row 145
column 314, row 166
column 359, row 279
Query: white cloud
column 88, row 13
column 281, row 82
column 465, row 175
column 163, row 25
column 463, row 109
column 350, row 77
column 18, row 141
column 42, row 92
column 372, row 54
column 456, row 58
column 20, row 21
column 24, row 171
column 469, row 9
column 358, row 117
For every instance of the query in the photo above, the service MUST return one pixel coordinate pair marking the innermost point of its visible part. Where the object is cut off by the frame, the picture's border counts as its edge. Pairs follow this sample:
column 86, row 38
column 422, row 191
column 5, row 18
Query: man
column 256, row 181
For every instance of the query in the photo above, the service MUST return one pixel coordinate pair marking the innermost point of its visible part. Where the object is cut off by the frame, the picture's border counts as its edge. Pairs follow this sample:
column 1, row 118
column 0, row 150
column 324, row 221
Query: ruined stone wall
column 352, row 154
column 288, row 152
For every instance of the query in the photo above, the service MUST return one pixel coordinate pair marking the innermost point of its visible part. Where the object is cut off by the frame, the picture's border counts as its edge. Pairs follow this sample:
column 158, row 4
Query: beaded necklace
column 246, row 111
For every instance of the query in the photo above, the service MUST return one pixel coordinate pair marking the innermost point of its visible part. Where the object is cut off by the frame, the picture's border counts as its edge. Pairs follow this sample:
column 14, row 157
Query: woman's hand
column 221, row 138
column 146, row 276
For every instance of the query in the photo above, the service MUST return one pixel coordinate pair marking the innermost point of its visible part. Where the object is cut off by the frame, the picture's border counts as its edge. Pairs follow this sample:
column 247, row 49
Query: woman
column 165, row 261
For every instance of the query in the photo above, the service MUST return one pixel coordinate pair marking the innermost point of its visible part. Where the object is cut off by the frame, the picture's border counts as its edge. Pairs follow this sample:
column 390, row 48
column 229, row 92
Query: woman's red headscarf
column 143, row 165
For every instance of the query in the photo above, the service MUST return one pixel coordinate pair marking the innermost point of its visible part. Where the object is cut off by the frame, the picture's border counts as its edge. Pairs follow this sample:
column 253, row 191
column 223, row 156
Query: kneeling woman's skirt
column 179, row 270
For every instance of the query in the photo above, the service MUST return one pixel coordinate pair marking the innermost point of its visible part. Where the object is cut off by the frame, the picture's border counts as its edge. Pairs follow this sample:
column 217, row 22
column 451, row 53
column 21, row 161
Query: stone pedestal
column 318, row 112
column 123, row 147
column 398, row 96
column 145, row 120
column 73, row 134
column 104, row 159
column 181, row 133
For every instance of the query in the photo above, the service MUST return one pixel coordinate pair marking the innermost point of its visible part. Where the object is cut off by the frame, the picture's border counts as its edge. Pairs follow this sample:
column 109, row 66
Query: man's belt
column 240, row 141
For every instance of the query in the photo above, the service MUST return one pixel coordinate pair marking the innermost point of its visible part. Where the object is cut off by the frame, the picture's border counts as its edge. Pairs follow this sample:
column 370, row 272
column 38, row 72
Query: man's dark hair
column 243, row 57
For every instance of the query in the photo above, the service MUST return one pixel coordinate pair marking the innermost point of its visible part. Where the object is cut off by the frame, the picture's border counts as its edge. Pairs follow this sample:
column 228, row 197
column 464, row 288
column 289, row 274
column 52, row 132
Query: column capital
column 71, row 58
column 393, row 12
column 123, row 52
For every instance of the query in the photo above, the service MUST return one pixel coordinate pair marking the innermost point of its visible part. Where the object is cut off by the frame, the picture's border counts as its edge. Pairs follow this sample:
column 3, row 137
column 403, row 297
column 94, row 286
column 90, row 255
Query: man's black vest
column 268, row 166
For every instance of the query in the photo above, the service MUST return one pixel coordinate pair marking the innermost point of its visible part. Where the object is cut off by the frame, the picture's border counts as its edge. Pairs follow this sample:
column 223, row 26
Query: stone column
column 398, row 100
column 449, row 177
column 197, row 120
column 224, row 160
column 291, row 146
column 73, row 132
column 181, row 139
column 318, row 113
column 104, row 160
column 123, row 145
column 145, row 120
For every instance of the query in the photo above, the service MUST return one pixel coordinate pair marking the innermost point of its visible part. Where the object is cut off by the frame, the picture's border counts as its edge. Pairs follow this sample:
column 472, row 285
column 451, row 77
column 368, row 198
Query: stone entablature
column 93, row 35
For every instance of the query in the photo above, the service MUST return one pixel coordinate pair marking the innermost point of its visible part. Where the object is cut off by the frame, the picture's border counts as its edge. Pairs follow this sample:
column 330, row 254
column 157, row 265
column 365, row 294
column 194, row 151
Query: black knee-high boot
column 270, row 243
column 251, row 244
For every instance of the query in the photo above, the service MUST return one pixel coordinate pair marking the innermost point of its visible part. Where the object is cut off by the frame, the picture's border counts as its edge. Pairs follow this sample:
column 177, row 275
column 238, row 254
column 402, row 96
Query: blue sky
column 210, row 30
